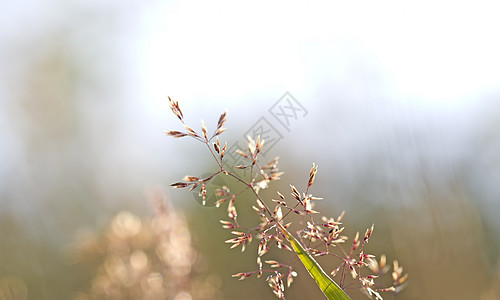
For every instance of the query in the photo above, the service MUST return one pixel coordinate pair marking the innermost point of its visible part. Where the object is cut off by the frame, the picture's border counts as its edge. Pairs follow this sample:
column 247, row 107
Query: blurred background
column 397, row 102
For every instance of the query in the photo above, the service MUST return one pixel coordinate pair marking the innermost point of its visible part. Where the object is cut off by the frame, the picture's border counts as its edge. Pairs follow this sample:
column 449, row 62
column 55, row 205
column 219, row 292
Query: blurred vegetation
column 144, row 259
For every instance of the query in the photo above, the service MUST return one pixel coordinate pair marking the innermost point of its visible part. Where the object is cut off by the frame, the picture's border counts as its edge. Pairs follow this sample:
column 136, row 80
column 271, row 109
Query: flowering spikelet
column 320, row 238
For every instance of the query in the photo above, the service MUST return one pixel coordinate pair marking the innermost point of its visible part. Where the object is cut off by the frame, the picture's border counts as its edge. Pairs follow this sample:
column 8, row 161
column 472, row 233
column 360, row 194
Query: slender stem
column 343, row 275
column 213, row 154
column 254, row 191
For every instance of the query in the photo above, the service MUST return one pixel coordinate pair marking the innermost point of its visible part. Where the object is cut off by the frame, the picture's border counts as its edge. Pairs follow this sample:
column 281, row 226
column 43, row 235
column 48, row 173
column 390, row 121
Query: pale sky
column 436, row 53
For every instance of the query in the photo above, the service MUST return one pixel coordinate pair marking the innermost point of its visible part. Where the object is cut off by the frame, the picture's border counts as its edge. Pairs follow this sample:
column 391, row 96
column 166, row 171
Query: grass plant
column 314, row 237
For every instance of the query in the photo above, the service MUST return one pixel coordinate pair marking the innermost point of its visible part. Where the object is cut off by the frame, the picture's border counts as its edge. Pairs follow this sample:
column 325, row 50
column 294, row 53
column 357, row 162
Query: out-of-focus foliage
column 144, row 259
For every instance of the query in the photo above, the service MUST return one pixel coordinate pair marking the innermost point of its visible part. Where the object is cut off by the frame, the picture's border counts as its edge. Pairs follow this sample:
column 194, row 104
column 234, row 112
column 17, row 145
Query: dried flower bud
column 190, row 130
column 238, row 151
column 312, row 175
column 174, row 106
column 190, row 178
column 204, row 130
column 295, row 193
column 203, row 193
column 273, row 263
column 175, row 134
column 227, row 224
column 223, row 150
column 383, row 261
column 355, row 242
column 290, row 277
column 179, row 185
column 369, row 233
column 251, row 145
column 222, row 120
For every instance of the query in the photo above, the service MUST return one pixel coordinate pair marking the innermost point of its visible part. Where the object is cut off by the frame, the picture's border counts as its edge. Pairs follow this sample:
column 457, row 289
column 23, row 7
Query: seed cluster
column 319, row 238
